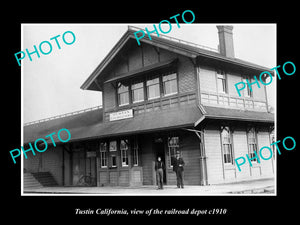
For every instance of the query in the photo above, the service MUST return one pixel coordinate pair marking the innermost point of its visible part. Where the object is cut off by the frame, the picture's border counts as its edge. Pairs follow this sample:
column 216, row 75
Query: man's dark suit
column 178, row 168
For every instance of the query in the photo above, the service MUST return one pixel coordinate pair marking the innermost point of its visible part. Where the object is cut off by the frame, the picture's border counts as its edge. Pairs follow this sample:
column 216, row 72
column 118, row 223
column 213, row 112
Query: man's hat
column 177, row 152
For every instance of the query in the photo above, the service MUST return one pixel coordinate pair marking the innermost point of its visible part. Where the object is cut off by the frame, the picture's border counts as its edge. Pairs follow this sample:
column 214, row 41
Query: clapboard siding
column 232, row 79
column 240, row 150
column 189, row 146
column 48, row 161
column 266, row 165
column 147, row 156
column 219, row 173
column 207, row 80
column 214, row 156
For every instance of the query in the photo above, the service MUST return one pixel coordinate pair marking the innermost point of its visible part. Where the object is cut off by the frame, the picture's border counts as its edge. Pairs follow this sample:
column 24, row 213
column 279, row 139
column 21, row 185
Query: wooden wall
column 136, row 57
column 218, row 173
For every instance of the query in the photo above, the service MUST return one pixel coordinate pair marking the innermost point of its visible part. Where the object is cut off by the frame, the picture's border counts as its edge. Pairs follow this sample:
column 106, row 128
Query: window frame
column 135, row 152
column 113, row 154
column 134, row 89
column 103, row 151
column 229, row 144
column 119, row 93
column 247, row 92
column 254, row 144
column 173, row 148
column 221, row 75
column 167, row 81
column 159, row 87
column 124, row 150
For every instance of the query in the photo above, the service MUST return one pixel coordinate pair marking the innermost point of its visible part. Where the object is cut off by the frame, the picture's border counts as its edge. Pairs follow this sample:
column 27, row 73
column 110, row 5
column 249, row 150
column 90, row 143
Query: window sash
column 227, row 153
column 153, row 91
column 103, row 155
column 138, row 95
column 247, row 92
column 103, row 159
column 135, row 153
column 173, row 146
column 170, row 87
column 113, row 146
column 123, row 98
column 222, row 85
column 113, row 160
column 124, row 153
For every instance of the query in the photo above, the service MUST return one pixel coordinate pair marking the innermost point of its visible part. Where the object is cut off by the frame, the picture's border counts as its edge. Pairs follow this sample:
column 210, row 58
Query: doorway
column 84, row 168
column 159, row 151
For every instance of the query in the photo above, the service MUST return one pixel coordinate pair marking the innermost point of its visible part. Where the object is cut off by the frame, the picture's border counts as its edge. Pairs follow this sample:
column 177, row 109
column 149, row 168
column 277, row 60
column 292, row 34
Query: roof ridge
column 63, row 115
column 133, row 28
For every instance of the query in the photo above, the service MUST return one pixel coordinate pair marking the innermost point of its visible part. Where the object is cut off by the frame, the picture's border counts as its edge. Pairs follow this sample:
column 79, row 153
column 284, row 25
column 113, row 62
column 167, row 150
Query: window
column 135, row 152
column 173, row 145
column 103, row 155
column 247, row 91
column 123, row 94
column 113, row 153
column 153, row 89
column 170, row 84
column 124, row 152
column 137, row 92
column 252, row 145
column 227, row 146
column 221, row 81
column 272, row 138
column 113, row 160
column 113, row 146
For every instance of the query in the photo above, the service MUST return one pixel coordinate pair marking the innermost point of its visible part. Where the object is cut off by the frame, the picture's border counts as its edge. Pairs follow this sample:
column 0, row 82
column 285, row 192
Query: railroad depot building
column 162, row 96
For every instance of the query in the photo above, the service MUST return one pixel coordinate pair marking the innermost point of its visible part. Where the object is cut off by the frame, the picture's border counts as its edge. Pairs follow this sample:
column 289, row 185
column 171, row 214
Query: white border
column 22, row 119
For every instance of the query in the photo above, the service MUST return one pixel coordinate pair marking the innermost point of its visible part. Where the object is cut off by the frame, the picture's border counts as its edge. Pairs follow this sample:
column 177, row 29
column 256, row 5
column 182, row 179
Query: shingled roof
column 89, row 125
column 172, row 44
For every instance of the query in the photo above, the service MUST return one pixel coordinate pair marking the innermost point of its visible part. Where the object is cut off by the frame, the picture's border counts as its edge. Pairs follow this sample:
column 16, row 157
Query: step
column 30, row 182
column 45, row 178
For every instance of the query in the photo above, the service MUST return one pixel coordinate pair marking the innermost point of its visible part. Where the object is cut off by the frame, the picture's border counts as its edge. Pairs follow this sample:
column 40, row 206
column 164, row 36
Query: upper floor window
column 123, row 94
column 170, row 84
column 153, row 88
column 221, row 81
column 247, row 91
column 137, row 92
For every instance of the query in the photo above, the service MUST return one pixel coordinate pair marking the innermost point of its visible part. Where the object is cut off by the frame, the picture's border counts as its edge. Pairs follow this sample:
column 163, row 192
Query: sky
column 51, row 83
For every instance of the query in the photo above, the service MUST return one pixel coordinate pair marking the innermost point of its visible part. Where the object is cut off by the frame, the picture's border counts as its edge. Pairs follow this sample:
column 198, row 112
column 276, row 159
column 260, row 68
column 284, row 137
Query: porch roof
column 210, row 112
column 140, row 123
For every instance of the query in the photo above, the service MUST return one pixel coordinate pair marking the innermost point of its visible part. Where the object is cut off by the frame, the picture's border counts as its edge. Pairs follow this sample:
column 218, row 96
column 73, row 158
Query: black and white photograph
column 124, row 109
column 171, row 114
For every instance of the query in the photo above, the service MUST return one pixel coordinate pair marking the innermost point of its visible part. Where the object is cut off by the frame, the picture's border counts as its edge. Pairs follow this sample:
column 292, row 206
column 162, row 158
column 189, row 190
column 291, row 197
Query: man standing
column 159, row 168
column 178, row 164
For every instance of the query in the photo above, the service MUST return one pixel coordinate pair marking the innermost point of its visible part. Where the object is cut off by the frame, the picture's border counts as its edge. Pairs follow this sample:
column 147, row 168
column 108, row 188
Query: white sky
column 51, row 83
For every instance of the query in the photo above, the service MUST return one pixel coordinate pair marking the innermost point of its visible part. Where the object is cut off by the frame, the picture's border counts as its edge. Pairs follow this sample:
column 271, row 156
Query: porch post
column 203, row 166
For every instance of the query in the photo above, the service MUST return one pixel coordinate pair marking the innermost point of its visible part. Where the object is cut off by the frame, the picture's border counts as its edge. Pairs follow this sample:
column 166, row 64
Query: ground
column 256, row 187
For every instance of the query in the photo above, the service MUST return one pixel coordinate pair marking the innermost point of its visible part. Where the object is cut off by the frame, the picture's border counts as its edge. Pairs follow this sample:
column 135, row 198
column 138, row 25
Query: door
column 84, row 168
column 159, row 151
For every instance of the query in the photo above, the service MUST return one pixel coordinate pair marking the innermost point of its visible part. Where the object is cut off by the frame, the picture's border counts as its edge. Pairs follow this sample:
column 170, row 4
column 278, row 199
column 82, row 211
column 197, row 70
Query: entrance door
column 84, row 168
column 159, row 151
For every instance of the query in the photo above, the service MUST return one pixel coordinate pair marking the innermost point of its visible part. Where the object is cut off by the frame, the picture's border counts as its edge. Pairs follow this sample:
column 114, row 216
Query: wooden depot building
column 162, row 96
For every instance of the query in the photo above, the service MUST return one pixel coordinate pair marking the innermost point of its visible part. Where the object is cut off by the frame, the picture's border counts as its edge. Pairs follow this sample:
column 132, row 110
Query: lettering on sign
column 121, row 115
